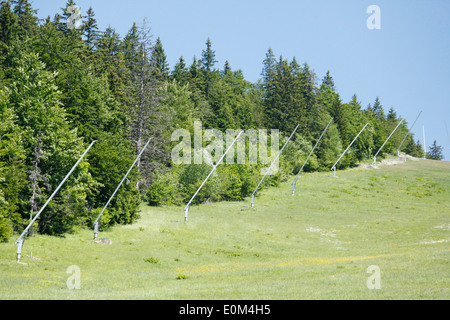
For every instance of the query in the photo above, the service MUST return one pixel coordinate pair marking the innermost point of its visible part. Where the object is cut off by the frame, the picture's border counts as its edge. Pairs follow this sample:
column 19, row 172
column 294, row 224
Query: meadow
column 318, row 244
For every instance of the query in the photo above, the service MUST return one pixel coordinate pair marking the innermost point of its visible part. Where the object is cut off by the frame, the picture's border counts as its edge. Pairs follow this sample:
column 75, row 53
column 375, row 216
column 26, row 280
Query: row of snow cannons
column 20, row 241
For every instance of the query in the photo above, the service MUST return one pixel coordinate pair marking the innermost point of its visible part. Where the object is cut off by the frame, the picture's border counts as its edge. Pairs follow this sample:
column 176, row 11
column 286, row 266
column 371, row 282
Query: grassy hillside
column 315, row 245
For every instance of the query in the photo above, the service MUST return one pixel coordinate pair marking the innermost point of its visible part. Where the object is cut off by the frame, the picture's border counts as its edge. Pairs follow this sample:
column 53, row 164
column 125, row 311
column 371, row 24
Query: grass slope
column 315, row 245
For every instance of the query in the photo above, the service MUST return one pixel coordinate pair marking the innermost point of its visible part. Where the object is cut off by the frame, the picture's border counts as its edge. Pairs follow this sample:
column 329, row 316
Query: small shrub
column 152, row 260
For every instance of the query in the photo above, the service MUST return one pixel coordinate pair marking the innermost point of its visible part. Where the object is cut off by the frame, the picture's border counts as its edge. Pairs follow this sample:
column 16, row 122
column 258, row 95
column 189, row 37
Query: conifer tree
column 90, row 29
column 130, row 47
column 159, row 61
column 8, row 27
column 328, row 82
column 226, row 68
column 268, row 67
column 333, row 104
column 364, row 144
column 27, row 19
column 207, row 64
column 180, row 72
column 378, row 110
column 392, row 115
column 435, row 152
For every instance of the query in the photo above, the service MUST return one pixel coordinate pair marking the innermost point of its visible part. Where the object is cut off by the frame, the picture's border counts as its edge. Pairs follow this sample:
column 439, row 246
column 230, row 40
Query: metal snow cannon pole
column 19, row 241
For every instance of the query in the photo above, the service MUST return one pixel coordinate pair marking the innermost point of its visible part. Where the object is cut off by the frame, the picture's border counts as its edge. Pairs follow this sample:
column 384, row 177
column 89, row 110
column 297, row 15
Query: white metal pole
column 409, row 131
column 19, row 241
column 301, row 169
column 96, row 223
column 186, row 209
column 268, row 170
column 375, row 157
column 334, row 166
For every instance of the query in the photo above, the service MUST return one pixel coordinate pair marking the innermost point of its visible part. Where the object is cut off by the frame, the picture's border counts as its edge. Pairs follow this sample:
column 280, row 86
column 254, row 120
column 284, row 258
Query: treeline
column 62, row 88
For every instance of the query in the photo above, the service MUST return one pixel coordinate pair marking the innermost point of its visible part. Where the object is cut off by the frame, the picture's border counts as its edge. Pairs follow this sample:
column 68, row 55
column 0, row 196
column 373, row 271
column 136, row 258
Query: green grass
column 315, row 245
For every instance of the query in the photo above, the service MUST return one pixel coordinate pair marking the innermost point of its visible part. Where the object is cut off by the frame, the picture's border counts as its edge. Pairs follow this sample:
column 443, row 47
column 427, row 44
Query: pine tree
column 159, row 61
column 392, row 115
column 328, row 82
column 196, row 80
column 413, row 148
column 110, row 60
column 109, row 43
column 306, row 84
column 208, row 57
column 27, row 18
column 284, row 101
column 196, row 77
column 333, row 104
column 229, row 101
column 180, row 73
column 8, row 27
column 130, row 47
column 435, row 152
column 369, row 111
column 268, row 68
column 355, row 103
column 378, row 110
column 90, row 29
column 226, row 69
column 364, row 145
column 207, row 64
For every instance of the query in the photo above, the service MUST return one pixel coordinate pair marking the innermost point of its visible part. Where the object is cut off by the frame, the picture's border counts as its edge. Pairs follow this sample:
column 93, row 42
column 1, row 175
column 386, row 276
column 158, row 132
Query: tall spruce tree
column 331, row 100
column 364, row 145
column 180, row 72
column 284, row 103
column 159, row 61
column 8, row 28
column 268, row 68
column 207, row 64
column 27, row 19
column 378, row 110
column 328, row 82
column 90, row 29
column 435, row 152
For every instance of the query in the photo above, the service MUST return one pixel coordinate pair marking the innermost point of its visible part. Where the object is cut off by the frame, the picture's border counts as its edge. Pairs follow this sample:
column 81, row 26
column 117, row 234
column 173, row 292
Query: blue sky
column 406, row 63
